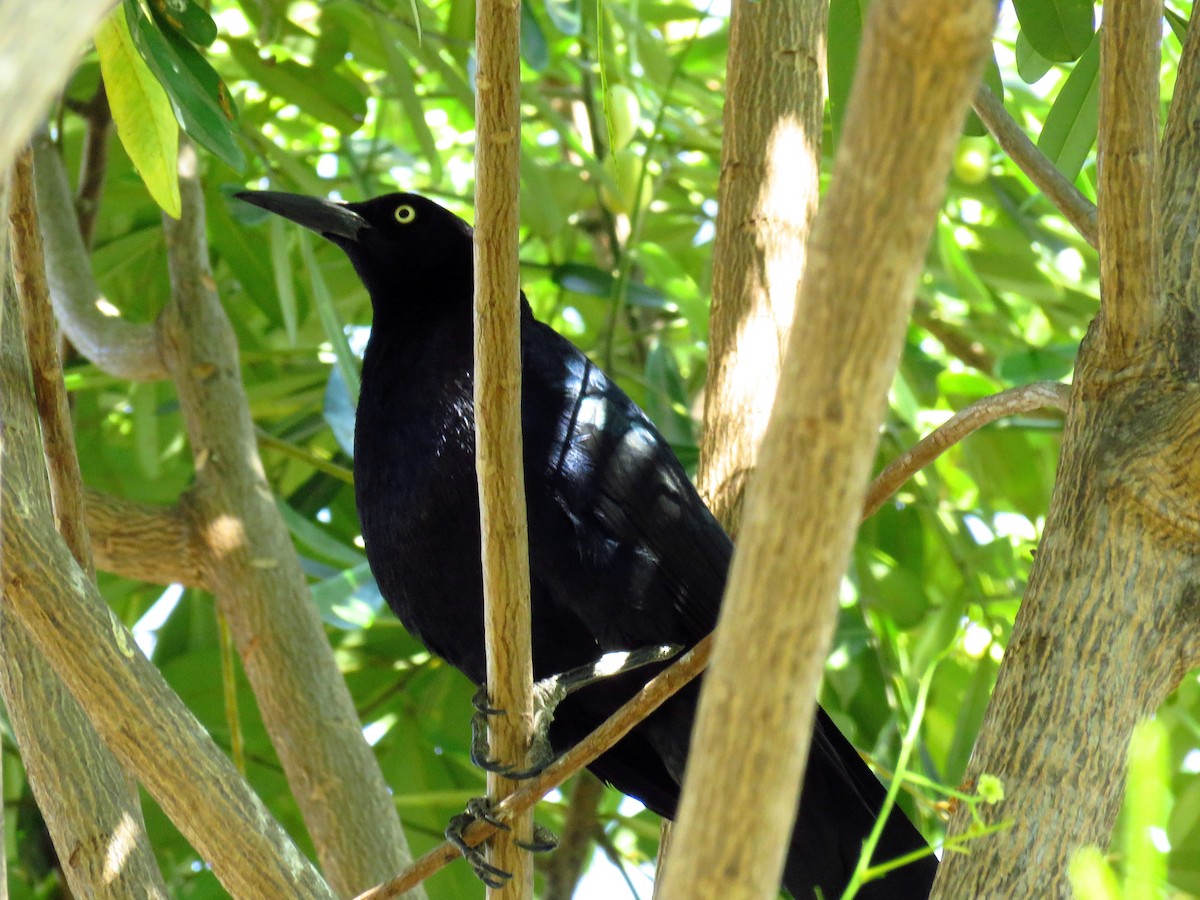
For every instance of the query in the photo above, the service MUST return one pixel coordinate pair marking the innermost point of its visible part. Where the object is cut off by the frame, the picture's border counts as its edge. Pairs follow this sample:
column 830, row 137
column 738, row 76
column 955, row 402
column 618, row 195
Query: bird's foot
column 547, row 695
column 480, row 808
column 480, row 752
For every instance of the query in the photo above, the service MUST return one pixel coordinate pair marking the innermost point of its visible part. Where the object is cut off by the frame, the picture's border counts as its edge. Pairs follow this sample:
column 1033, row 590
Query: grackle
column 623, row 553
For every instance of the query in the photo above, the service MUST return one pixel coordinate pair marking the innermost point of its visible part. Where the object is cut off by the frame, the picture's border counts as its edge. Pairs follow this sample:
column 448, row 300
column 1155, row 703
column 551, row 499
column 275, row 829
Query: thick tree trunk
column 1110, row 621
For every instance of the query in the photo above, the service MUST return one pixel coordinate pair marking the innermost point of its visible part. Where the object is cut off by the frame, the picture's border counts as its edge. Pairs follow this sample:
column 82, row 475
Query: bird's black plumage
column 623, row 552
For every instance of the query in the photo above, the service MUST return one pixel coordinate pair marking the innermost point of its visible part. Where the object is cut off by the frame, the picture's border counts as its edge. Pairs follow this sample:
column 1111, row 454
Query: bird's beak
column 325, row 217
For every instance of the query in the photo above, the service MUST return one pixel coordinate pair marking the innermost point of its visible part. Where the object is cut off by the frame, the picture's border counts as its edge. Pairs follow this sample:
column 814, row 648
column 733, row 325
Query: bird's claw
column 543, row 841
column 480, row 809
column 480, row 753
column 492, row 876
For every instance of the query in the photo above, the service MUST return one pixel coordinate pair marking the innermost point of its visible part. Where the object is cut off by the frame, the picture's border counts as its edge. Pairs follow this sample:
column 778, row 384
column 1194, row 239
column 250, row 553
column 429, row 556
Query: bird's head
column 396, row 242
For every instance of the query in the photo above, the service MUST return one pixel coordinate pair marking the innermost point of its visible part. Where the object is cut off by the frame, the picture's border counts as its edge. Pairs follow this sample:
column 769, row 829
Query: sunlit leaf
column 141, row 111
column 1070, row 130
column 1059, row 30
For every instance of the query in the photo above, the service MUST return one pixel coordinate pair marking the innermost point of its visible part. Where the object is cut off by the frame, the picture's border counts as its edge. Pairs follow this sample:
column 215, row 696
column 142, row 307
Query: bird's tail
column 839, row 804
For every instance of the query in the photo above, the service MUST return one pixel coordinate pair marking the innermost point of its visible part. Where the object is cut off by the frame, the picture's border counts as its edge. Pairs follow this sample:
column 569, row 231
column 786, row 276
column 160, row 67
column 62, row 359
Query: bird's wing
column 626, row 541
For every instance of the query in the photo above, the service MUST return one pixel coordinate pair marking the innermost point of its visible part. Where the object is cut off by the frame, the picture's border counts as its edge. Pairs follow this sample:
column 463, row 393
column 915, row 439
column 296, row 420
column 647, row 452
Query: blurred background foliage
column 621, row 105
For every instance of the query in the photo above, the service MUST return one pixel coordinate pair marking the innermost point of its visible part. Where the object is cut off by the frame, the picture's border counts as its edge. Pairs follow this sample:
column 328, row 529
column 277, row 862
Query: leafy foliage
column 622, row 128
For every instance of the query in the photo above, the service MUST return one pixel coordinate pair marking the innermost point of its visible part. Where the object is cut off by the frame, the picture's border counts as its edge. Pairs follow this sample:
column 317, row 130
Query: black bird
column 623, row 552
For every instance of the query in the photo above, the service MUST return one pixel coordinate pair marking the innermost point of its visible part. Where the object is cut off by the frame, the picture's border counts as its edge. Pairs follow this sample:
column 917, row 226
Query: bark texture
column 1110, row 621
column 138, row 716
column 501, row 474
column 251, row 566
column 89, row 803
column 919, row 67
column 770, row 180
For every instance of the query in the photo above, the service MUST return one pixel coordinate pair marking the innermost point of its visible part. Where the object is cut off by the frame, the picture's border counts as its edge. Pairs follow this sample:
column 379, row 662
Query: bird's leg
column 547, row 695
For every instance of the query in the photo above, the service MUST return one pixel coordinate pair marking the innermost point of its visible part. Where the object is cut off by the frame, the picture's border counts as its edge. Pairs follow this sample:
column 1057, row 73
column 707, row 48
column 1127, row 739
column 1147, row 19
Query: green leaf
column 1179, row 25
column 349, row 600
column 201, row 101
column 534, row 50
column 1070, row 130
column 141, row 112
column 1031, row 65
column 594, row 282
column 188, row 19
column 285, row 285
column 400, row 72
column 326, row 96
column 330, row 319
column 1147, row 808
column 1092, row 878
column 565, row 15
column 1038, row 363
column 338, row 410
column 991, row 77
column 845, row 33
column 1060, row 30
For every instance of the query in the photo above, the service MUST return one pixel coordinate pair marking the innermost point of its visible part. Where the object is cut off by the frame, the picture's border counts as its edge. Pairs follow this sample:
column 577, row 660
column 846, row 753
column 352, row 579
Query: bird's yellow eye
column 404, row 214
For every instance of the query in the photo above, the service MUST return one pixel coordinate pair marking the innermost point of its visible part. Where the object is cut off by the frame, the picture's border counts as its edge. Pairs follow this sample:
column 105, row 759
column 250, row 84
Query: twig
column 1077, row 209
column 1132, row 303
column 76, row 780
column 137, row 714
column 615, row 727
column 499, row 465
column 94, row 165
column 919, row 66
column 40, row 44
column 982, row 412
column 687, row 667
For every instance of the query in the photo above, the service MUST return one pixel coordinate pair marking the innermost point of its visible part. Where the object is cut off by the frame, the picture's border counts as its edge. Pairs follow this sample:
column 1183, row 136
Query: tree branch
column 770, row 182
column 982, row 412
column 251, row 566
column 656, row 692
column 1075, row 207
column 90, row 805
column 144, row 542
column 1180, row 219
column 94, row 165
column 121, row 348
column 40, row 44
column 1132, row 303
column 499, row 460
column 138, row 716
column 918, row 68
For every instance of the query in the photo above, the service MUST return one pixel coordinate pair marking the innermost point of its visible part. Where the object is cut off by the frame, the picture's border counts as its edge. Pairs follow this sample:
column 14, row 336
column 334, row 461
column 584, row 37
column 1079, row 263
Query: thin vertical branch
column 1127, row 154
column 498, row 415
column 919, row 67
